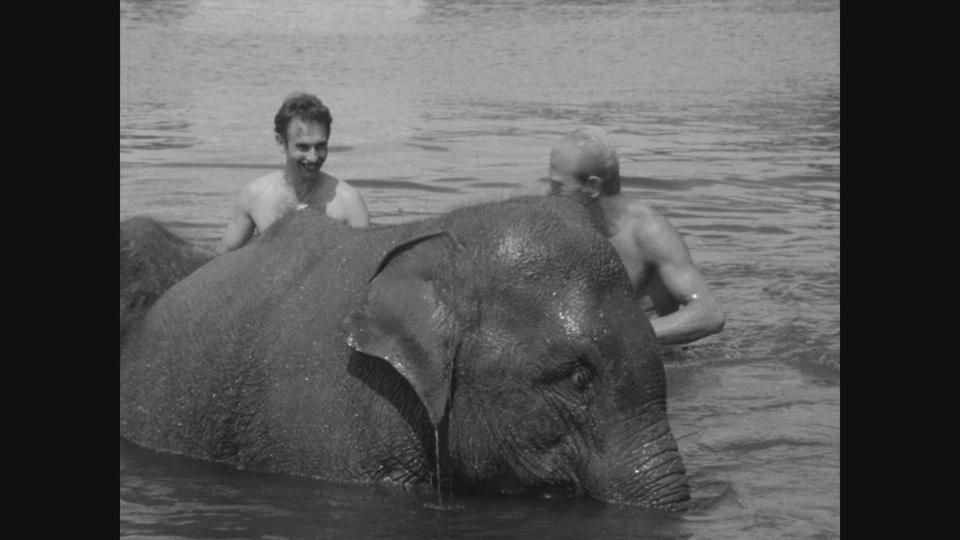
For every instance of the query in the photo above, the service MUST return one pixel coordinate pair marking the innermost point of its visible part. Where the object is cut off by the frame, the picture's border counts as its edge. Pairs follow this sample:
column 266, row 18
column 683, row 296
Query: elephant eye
column 575, row 369
column 582, row 376
column 579, row 372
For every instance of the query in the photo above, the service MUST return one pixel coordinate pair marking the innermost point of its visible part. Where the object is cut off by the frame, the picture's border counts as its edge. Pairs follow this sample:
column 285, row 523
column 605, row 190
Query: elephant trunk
column 640, row 467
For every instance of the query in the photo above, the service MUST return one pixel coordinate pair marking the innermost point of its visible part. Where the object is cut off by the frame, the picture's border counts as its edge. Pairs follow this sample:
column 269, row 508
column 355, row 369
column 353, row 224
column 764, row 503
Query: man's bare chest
column 275, row 203
column 268, row 209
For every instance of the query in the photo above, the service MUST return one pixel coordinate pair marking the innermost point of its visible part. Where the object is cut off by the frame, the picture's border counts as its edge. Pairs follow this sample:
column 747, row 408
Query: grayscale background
column 726, row 116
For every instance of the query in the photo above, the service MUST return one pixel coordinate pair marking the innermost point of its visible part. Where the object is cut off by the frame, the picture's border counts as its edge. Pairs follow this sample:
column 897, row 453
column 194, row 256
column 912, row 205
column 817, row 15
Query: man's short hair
column 595, row 142
column 306, row 107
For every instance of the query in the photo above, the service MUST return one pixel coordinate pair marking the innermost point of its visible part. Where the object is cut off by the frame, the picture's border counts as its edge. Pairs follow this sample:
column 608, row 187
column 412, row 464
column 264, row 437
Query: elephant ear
column 400, row 315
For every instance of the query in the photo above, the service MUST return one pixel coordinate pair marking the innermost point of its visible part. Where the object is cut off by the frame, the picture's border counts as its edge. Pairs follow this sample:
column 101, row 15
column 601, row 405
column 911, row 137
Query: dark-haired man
column 302, row 128
column 584, row 167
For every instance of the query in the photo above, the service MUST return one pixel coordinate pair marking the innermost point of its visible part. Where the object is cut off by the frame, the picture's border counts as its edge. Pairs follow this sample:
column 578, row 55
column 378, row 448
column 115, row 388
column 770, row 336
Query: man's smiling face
column 306, row 146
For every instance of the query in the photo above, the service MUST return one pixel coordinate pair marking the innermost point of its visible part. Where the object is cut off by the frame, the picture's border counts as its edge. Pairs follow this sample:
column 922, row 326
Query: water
column 726, row 115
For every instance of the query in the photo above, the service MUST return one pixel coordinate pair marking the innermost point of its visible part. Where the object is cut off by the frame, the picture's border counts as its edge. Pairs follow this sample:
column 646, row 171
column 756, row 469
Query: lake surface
column 726, row 116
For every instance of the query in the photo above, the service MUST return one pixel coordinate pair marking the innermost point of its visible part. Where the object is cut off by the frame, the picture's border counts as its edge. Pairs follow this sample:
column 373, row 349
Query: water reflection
column 160, row 12
column 153, row 137
column 168, row 495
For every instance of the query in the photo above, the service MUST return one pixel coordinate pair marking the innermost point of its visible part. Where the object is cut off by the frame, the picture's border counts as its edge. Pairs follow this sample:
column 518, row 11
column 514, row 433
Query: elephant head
column 526, row 339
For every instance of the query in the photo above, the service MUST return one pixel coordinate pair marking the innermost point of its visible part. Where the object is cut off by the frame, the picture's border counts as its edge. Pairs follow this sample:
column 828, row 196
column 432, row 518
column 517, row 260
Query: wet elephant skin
column 507, row 329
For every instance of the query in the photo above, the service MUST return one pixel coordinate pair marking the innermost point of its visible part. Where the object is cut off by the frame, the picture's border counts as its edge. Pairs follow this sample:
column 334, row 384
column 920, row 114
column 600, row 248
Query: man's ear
column 281, row 140
column 593, row 185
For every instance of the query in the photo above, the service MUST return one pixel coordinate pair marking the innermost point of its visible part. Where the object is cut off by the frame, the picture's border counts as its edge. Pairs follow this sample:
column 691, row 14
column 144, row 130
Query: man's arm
column 699, row 314
column 239, row 230
column 355, row 209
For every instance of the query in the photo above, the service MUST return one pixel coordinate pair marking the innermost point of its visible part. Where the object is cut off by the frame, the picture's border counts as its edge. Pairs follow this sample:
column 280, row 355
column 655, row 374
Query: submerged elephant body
column 501, row 339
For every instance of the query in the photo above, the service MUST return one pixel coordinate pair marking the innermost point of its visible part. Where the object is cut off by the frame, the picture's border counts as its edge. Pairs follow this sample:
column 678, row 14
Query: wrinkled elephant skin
column 501, row 337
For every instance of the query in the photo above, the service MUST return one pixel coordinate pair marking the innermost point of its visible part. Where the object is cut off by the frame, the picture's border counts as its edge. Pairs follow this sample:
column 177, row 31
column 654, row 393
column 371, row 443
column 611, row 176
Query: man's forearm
column 689, row 323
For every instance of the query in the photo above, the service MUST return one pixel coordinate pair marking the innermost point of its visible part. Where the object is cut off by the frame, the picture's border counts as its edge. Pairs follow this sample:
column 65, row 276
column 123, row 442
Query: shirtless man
column 302, row 128
column 584, row 167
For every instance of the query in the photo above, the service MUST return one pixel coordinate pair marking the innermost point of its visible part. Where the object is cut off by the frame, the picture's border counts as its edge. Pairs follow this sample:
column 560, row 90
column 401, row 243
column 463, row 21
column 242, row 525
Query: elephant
column 496, row 348
column 152, row 259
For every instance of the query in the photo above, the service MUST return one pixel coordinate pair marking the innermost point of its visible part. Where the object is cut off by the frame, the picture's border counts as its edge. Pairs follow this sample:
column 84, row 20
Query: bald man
column 584, row 167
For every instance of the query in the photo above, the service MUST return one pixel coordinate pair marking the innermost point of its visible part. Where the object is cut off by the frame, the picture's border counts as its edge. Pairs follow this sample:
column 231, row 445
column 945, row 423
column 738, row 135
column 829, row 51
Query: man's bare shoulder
column 650, row 231
column 267, row 182
column 343, row 188
column 347, row 205
column 539, row 186
column 633, row 215
column 260, row 187
column 350, row 197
